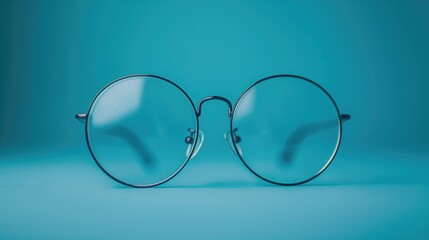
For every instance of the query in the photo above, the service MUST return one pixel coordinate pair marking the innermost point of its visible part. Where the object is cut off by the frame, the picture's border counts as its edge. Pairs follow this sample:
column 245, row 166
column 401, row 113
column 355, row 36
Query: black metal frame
column 197, row 111
column 339, row 133
column 209, row 98
column 88, row 142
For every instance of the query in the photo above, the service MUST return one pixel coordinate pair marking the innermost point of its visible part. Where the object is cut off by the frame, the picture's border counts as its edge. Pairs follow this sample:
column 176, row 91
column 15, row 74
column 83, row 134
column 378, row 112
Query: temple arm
column 134, row 141
column 81, row 117
column 345, row 117
column 130, row 137
column 300, row 134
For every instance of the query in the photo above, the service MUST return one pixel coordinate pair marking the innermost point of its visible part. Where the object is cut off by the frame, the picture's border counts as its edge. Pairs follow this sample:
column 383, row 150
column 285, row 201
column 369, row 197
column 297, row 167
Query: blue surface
column 370, row 55
column 63, row 195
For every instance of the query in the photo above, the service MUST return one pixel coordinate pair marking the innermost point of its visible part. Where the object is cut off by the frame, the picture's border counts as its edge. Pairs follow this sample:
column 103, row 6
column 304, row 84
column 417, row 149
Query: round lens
column 137, row 129
column 288, row 129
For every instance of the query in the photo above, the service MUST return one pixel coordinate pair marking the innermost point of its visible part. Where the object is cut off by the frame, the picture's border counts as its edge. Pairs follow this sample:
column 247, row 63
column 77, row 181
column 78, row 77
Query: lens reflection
column 288, row 127
column 137, row 128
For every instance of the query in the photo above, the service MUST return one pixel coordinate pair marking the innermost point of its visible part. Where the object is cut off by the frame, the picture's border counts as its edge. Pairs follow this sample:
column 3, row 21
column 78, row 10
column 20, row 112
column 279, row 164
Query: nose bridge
column 219, row 98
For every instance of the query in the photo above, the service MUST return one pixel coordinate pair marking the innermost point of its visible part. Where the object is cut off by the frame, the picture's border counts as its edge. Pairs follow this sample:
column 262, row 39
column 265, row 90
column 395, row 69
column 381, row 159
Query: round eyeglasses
column 142, row 130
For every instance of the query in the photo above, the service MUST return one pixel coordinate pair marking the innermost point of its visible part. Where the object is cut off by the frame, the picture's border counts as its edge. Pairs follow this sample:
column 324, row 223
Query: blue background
column 371, row 56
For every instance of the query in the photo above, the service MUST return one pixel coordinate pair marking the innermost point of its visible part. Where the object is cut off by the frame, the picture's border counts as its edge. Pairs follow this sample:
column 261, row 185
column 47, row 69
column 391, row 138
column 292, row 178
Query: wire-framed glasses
column 142, row 130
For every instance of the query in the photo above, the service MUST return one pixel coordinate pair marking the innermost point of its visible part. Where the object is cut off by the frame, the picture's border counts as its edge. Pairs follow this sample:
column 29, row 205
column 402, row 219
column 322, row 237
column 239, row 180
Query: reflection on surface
column 246, row 105
column 112, row 108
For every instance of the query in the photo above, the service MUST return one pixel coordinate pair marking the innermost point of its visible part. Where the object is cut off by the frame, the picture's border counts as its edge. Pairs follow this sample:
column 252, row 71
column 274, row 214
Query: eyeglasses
column 142, row 130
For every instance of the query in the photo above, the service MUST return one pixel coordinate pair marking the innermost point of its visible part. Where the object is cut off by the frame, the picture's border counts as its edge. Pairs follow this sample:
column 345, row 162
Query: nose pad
column 190, row 141
column 228, row 138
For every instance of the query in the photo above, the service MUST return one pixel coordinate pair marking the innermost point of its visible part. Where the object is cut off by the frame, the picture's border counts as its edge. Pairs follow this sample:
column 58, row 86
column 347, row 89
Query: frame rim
column 340, row 129
column 87, row 137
